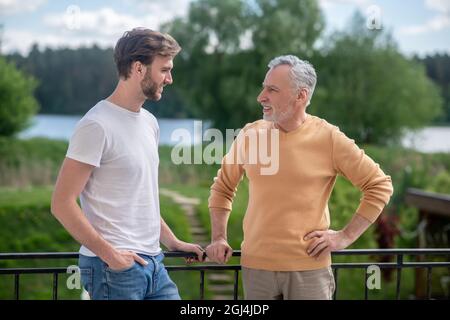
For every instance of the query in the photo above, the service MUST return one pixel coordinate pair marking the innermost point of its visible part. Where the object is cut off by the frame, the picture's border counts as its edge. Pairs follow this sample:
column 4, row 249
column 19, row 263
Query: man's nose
column 168, row 79
column 261, row 97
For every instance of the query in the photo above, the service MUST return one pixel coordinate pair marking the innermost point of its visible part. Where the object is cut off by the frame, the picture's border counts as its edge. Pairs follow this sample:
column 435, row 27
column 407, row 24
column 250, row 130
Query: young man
column 112, row 164
column 287, row 240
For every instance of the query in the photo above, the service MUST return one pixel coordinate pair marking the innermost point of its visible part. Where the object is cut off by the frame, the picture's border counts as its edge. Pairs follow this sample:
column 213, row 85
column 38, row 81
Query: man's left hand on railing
column 219, row 251
column 190, row 247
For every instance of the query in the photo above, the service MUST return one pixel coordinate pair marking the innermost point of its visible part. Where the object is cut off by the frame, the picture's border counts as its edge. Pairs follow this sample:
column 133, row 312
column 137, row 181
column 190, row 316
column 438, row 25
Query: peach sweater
column 284, row 206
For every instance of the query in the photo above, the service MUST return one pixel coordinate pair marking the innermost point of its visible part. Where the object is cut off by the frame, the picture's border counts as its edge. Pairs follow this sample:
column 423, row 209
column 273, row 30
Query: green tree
column 367, row 88
column 438, row 69
column 73, row 80
column 227, row 46
column 17, row 103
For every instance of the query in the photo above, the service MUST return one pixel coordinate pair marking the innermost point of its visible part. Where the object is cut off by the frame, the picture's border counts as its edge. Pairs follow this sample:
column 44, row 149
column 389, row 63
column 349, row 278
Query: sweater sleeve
column 351, row 162
column 223, row 190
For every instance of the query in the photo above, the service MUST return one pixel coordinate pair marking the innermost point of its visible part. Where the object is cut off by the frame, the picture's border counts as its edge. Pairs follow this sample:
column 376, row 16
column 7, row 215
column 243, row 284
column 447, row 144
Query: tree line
column 71, row 81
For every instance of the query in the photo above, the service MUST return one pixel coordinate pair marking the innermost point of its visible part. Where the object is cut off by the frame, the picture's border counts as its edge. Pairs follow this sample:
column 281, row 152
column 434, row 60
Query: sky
column 418, row 26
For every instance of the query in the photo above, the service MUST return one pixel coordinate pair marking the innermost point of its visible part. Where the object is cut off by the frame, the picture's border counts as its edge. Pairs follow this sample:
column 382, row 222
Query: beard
column 150, row 89
column 268, row 117
column 280, row 116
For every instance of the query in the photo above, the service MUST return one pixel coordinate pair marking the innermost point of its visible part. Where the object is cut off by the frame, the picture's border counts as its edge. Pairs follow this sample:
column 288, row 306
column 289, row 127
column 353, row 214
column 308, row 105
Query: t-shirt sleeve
column 87, row 143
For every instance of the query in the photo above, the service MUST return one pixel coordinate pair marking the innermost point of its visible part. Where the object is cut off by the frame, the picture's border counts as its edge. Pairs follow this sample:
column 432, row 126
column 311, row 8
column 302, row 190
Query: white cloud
column 75, row 27
column 436, row 24
column 8, row 7
column 438, row 5
column 329, row 4
column 165, row 9
column 439, row 22
column 21, row 41
column 102, row 22
column 338, row 12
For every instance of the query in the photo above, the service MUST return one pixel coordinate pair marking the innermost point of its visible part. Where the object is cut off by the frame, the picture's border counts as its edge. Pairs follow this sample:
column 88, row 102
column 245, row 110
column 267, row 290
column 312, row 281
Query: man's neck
column 127, row 97
column 293, row 124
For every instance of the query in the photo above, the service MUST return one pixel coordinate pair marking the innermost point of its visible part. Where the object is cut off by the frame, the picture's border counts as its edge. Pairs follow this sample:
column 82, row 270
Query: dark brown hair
column 142, row 45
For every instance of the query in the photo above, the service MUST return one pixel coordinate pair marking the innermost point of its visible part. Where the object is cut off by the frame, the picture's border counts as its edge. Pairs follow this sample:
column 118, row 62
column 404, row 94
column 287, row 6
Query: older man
column 287, row 240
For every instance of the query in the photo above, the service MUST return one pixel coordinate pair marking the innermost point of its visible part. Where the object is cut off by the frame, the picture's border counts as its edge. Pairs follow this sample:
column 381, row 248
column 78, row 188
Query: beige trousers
column 288, row 285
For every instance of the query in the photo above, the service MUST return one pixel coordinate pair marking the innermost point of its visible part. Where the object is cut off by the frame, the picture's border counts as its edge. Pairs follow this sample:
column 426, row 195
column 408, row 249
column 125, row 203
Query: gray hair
column 302, row 73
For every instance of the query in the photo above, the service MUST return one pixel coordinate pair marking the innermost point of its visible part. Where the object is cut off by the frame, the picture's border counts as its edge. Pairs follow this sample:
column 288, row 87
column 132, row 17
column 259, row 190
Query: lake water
column 61, row 127
column 430, row 139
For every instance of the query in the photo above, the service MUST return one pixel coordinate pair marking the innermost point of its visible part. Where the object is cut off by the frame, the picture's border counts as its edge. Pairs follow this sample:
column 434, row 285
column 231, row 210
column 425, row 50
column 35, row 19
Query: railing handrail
column 398, row 264
column 405, row 251
column 236, row 253
column 428, row 194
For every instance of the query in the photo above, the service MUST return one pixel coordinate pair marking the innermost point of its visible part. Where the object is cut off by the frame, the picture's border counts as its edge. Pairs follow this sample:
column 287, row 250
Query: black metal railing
column 398, row 265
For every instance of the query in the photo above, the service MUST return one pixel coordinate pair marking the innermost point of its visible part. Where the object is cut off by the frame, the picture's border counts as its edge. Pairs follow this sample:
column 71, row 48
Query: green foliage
column 30, row 162
column 227, row 46
column 17, row 104
column 285, row 27
column 191, row 174
column 370, row 90
column 26, row 225
column 73, row 80
column 412, row 169
column 441, row 183
column 438, row 69
column 30, row 197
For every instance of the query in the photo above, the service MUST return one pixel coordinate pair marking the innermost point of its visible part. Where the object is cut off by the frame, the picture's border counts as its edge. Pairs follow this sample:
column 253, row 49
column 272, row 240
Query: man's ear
column 302, row 94
column 138, row 68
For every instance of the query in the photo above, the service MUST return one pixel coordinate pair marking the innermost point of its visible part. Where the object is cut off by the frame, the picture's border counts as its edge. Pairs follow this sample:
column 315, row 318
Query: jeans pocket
column 121, row 270
column 126, row 284
column 87, row 279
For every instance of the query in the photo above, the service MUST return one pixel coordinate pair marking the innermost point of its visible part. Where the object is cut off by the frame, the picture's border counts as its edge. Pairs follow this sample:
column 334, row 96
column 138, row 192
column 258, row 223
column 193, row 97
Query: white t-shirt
column 121, row 197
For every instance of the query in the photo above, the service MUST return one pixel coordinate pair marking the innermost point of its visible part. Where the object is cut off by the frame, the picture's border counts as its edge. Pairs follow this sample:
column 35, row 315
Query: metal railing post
column 399, row 275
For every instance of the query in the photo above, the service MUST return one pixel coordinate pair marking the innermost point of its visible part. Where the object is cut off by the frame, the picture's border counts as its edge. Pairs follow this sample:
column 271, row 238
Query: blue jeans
column 150, row 282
